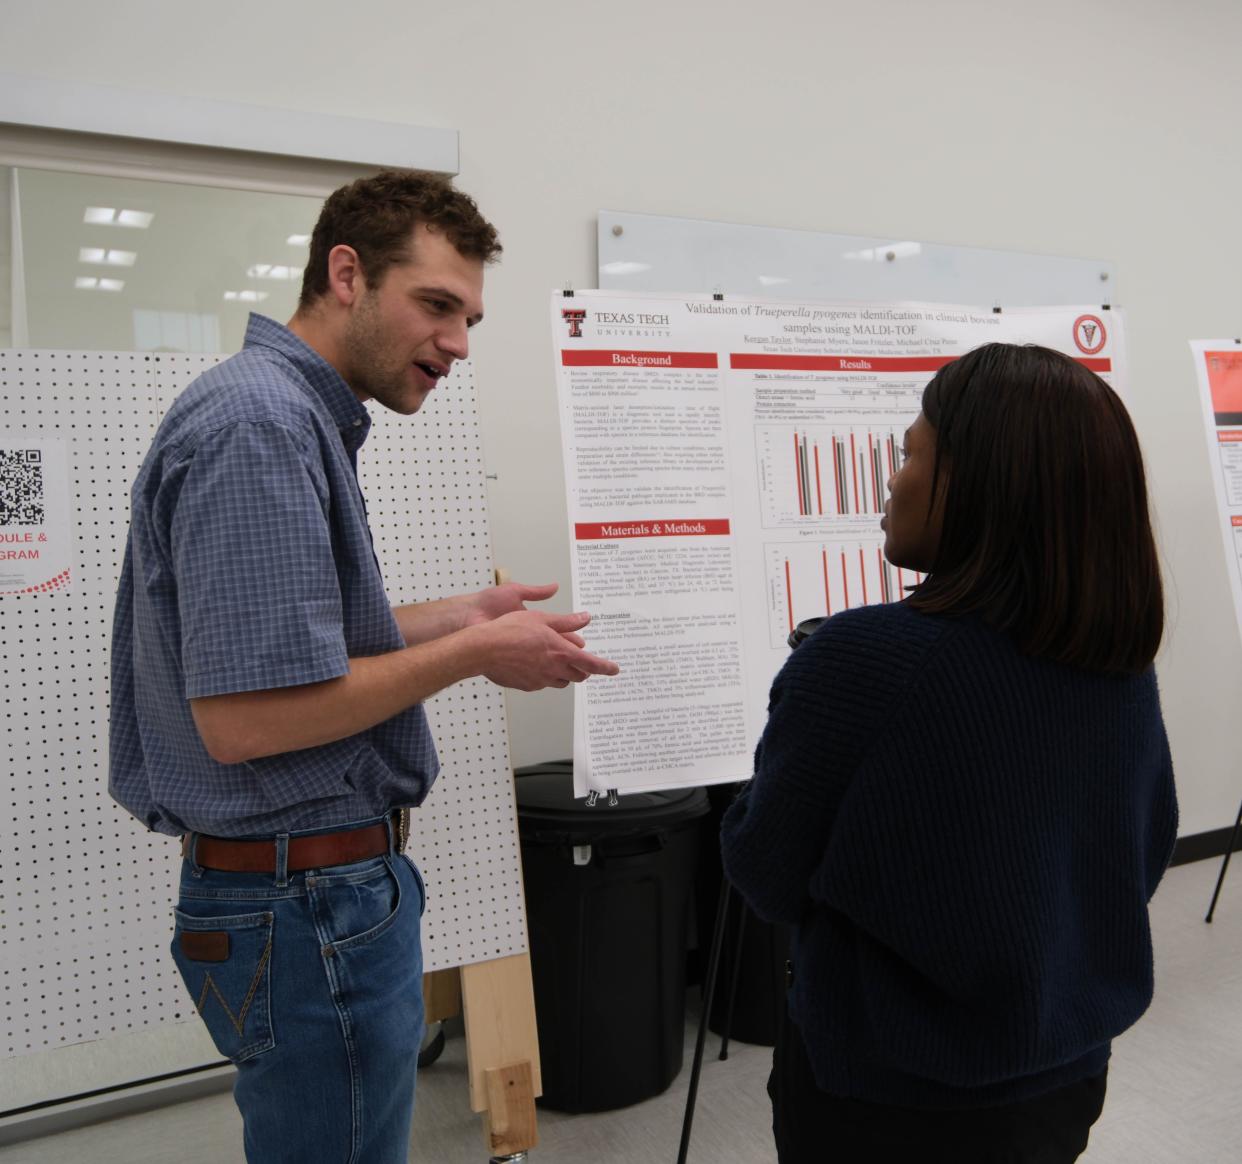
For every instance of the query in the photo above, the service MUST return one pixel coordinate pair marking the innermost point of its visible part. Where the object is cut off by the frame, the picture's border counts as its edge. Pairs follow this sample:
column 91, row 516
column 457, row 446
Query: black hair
column 1046, row 530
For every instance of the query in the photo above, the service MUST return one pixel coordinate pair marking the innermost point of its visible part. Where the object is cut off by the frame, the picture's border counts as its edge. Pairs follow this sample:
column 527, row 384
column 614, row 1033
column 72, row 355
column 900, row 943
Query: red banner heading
column 1236, row 520
column 689, row 527
column 862, row 364
column 618, row 359
column 777, row 363
column 1229, row 437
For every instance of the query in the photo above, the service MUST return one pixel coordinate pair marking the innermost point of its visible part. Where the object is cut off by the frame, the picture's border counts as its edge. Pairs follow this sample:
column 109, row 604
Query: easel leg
column 442, row 995
column 1233, row 836
column 709, row 992
column 737, row 973
column 502, row 1051
column 511, row 1112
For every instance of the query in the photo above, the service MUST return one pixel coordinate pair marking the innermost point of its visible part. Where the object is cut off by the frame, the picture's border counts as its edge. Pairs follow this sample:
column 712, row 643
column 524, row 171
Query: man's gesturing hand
column 495, row 601
column 529, row 650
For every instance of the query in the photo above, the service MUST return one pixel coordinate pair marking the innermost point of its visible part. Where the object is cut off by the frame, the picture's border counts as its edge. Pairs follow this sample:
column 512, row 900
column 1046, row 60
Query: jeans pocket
column 356, row 907
column 226, row 965
column 422, row 885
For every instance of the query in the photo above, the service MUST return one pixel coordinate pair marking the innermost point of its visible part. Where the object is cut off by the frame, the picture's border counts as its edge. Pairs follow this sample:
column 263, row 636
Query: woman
column 964, row 801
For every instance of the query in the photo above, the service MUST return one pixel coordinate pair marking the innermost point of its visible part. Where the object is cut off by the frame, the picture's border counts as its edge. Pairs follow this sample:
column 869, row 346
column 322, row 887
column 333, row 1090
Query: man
column 267, row 701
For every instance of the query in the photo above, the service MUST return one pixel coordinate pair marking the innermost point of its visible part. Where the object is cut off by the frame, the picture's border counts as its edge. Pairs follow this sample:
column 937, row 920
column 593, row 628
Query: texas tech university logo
column 1089, row 334
column 574, row 317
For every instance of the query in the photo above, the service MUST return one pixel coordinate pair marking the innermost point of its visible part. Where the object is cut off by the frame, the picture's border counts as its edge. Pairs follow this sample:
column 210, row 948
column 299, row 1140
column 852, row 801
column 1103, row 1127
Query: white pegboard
column 85, row 893
column 79, row 955
column 426, row 492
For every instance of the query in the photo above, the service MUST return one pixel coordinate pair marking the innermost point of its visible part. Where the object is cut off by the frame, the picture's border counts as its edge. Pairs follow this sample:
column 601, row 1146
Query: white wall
column 1103, row 129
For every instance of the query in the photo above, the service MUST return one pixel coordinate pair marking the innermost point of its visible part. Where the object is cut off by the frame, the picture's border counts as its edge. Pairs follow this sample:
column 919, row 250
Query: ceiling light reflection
column 109, row 258
column 273, row 271
column 92, row 283
column 110, row 216
column 624, row 268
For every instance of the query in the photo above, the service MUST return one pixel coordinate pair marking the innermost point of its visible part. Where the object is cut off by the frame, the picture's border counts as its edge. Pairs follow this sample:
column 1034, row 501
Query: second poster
column 726, row 469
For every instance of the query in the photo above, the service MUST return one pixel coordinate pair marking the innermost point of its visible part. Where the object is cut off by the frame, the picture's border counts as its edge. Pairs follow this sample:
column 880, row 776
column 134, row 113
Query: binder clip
column 567, row 291
column 592, row 797
column 612, row 798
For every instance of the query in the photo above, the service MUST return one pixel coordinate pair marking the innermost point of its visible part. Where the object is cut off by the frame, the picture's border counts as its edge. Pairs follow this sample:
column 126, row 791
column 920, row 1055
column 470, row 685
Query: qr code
column 21, row 487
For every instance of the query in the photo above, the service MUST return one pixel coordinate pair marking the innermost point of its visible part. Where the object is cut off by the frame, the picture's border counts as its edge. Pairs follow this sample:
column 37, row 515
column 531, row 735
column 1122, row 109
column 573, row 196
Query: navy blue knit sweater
column 965, row 840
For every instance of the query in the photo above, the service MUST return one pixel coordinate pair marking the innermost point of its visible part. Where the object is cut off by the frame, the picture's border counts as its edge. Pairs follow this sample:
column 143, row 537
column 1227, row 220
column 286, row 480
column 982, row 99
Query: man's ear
column 346, row 281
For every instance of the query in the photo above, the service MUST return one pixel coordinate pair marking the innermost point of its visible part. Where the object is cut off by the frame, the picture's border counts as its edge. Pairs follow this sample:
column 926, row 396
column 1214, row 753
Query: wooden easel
column 497, row 1000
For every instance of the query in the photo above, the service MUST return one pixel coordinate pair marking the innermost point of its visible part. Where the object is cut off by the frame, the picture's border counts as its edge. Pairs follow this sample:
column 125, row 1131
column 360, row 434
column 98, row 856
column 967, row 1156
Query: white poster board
column 726, row 468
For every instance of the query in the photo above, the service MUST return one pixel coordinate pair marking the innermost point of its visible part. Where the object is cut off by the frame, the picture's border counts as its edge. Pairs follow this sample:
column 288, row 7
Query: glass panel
column 6, row 258
column 123, row 264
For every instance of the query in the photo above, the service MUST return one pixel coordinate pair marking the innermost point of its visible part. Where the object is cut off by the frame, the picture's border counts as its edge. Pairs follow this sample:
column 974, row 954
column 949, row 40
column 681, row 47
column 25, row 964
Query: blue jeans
column 312, row 985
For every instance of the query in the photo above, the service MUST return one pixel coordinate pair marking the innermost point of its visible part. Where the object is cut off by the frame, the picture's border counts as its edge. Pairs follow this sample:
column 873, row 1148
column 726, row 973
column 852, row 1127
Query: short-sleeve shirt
column 249, row 566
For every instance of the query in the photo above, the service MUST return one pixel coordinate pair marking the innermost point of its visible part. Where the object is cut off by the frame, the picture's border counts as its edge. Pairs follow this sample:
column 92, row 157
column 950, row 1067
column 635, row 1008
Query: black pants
column 813, row 1127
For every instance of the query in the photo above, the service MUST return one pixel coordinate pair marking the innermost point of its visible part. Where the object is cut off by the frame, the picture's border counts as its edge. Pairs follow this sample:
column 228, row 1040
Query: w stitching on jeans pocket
column 231, row 994
column 238, row 1020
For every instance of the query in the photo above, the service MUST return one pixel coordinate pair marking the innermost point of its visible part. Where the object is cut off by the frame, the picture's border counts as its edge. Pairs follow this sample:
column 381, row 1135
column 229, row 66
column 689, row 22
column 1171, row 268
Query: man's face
column 402, row 336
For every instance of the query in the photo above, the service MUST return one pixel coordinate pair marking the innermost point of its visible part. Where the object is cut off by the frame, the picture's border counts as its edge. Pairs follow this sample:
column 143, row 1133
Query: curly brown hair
column 375, row 216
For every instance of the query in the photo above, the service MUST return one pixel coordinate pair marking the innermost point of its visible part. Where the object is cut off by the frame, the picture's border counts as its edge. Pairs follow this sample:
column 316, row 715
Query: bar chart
column 821, row 577
column 818, row 474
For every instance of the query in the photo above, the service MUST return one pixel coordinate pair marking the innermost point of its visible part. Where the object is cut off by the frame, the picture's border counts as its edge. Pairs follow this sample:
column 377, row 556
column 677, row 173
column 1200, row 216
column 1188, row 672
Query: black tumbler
column 805, row 629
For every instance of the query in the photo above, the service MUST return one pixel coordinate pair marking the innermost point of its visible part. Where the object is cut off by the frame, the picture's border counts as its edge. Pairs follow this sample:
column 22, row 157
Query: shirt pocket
column 226, row 965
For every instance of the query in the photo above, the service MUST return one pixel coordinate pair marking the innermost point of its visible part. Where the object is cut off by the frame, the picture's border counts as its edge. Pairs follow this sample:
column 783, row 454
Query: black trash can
column 607, row 899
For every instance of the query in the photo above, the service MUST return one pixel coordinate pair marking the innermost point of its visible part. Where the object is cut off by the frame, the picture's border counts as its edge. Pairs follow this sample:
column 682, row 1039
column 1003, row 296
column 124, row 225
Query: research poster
column 726, row 466
column 1219, row 367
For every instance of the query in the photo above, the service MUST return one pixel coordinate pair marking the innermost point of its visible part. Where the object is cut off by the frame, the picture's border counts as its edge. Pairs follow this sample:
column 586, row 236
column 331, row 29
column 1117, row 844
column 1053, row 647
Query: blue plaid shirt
column 249, row 566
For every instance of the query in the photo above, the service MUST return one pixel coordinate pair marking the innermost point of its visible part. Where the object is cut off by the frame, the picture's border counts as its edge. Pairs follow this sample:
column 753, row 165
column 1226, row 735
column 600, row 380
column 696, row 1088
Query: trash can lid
column 546, row 803
column 545, row 766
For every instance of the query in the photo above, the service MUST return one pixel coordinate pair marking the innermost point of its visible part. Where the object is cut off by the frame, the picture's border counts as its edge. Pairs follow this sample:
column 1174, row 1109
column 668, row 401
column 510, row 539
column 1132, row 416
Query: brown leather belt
column 319, row 850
